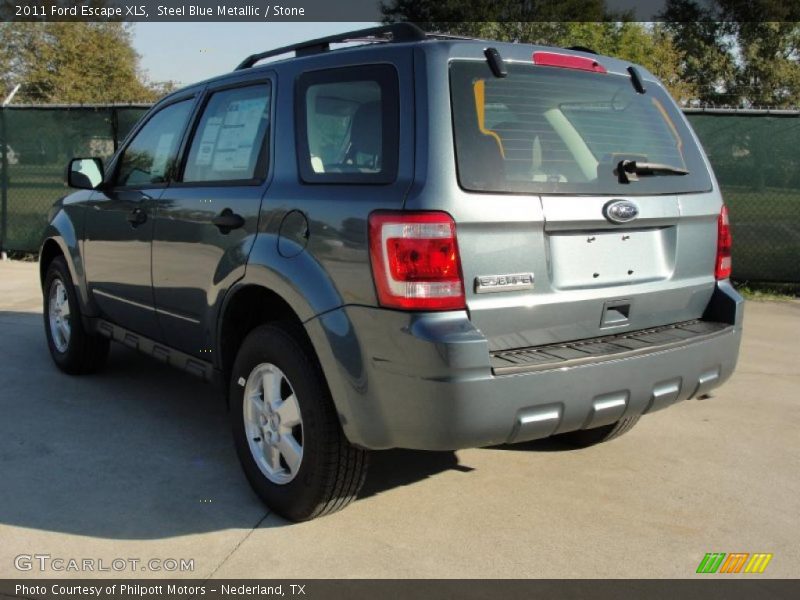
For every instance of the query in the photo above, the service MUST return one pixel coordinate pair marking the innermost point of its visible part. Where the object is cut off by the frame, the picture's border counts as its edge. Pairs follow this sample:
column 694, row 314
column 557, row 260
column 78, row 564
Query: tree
column 604, row 32
column 71, row 62
column 768, row 73
column 739, row 53
column 454, row 14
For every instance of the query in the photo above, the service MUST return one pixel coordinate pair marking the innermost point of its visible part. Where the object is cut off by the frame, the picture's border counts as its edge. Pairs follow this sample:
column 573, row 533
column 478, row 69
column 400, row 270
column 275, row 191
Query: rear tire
column 73, row 349
column 583, row 438
column 286, row 430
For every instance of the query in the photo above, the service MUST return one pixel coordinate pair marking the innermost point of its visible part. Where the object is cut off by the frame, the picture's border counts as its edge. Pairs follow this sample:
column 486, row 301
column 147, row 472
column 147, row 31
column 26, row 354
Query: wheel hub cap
column 59, row 315
column 273, row 424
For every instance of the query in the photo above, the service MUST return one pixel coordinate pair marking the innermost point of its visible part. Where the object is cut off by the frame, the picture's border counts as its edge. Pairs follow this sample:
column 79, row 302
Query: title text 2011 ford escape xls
column 413, row 243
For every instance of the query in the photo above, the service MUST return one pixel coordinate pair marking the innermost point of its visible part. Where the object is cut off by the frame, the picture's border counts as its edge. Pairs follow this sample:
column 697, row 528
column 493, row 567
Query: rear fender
column 300, row 280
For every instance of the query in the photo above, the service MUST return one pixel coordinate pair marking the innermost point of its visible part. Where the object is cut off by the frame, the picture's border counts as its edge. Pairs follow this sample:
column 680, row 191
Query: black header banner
column 422, row 10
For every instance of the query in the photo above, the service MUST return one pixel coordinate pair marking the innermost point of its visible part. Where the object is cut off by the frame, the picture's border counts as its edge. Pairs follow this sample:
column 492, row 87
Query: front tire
column 73, row 349
column 287, row 434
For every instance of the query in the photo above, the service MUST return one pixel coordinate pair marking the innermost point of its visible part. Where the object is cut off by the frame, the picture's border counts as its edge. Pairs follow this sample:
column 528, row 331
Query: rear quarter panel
column 333, row 267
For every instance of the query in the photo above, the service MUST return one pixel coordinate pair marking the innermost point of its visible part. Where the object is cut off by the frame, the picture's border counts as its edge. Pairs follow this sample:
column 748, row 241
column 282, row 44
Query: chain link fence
column 756, row 157
column 755, row 154
column 36, row 142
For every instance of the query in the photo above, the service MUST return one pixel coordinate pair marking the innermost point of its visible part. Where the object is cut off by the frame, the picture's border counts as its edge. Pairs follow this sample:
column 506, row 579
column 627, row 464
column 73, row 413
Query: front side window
column 230, row 141
column 151, row 155
column 347, row 126
column 562, row 131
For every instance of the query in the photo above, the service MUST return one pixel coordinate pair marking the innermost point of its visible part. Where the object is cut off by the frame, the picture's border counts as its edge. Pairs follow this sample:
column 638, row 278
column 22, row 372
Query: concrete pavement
column 136, row 462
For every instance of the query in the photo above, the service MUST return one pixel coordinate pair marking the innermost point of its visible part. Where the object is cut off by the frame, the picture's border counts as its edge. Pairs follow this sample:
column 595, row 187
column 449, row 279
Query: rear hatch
column 591, row 206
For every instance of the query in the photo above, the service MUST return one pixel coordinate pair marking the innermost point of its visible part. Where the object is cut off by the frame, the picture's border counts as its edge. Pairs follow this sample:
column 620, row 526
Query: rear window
column 561, row 131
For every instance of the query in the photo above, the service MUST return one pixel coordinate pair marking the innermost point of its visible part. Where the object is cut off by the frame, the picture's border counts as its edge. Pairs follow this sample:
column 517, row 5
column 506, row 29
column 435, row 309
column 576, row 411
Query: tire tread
column 344, row 466
column 87, row 352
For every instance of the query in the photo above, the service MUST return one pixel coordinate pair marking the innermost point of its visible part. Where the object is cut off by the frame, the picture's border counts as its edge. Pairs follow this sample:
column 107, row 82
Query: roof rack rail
column 400, row 32
column 581, row 49
column 450, row 36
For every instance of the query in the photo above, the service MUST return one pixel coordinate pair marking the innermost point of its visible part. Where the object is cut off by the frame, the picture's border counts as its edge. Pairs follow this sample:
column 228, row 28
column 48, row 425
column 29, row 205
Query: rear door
column 206, row 221
column 555, row 246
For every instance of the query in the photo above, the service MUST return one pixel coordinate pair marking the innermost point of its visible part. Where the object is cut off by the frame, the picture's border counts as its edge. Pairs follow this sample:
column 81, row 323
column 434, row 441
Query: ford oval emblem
column 620, row 211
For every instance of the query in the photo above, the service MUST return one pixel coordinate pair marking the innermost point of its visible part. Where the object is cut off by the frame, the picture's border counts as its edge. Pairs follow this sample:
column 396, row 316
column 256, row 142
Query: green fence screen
column 35, row 145
column 755, row 155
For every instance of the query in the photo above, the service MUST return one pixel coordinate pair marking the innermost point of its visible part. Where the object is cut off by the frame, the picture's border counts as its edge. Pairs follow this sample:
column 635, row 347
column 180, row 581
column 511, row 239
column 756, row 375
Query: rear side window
column 229, row 143
column 563, row 131
column 151, row 155
column 347, row 125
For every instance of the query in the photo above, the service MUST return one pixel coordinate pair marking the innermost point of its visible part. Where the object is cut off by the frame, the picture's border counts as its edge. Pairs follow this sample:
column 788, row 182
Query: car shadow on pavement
column 395, row 468
column 543, row 445
column 137, row 451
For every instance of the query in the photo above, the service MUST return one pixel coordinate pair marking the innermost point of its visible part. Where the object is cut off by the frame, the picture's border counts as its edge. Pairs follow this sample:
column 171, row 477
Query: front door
column 206, row 221
column 120, row 220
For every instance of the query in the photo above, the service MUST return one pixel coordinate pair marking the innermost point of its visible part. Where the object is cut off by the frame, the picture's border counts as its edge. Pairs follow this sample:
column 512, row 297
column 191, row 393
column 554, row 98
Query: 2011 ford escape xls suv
column 412, row 243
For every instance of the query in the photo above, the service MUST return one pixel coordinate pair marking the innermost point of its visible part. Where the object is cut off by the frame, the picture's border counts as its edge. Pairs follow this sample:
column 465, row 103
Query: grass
column 768, row 292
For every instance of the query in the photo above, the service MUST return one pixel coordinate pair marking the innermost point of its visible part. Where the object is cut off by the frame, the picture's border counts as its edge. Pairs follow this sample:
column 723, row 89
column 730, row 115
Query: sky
column 190, row 52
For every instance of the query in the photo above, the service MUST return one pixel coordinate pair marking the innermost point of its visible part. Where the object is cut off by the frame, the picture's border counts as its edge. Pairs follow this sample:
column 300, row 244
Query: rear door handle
column 137, row 216
column 227, row 221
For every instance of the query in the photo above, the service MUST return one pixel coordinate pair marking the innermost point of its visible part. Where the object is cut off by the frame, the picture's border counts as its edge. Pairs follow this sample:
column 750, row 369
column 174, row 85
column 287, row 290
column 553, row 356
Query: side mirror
column 85, row 173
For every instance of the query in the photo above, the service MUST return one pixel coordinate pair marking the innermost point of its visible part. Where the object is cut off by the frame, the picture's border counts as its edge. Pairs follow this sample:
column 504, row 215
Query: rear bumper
column 426, row 381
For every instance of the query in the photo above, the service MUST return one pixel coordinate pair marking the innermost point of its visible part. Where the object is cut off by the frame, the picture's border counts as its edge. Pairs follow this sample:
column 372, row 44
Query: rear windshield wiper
column 629, row 170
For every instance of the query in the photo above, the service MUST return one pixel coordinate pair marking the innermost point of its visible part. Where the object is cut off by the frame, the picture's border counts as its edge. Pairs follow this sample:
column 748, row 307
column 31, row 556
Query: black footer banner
column 713, row 588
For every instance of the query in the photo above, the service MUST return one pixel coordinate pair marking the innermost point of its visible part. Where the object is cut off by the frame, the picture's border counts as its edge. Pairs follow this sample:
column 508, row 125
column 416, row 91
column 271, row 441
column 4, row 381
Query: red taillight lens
column 724, row 243
column 415, row 261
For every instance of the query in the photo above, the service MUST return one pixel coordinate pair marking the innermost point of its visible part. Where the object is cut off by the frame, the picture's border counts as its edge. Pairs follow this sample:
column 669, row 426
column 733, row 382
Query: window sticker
column 235, row 136
column 227, row 143
column 208, row 141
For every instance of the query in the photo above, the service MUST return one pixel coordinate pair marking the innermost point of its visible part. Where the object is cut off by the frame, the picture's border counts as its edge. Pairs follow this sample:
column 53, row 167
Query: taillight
column 724, row 243
column 415, row 261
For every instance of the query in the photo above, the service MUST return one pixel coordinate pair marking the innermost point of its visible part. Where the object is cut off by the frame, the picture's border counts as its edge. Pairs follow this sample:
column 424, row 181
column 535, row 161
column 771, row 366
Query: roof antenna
column 496, row 63
column 636, row 80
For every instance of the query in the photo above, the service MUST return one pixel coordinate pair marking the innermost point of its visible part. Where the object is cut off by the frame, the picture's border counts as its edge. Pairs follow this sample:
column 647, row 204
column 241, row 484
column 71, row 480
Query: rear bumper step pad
column 611, row 347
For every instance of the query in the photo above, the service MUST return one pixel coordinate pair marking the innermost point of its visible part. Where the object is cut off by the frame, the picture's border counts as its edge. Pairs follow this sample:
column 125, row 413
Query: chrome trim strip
column 606, row 404
column 177, row 316
column 547, row 416
column 120, row 299
column 144, row 306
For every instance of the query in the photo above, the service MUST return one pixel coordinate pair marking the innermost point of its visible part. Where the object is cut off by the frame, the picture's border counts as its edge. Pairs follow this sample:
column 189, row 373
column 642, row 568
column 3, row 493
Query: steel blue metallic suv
column 414, row 242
